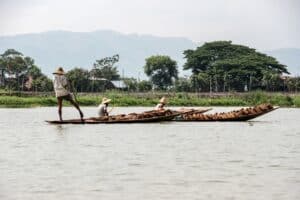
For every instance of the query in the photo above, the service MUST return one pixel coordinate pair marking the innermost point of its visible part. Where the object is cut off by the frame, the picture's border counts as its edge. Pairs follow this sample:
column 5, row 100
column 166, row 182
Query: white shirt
column 102, row 110
column 159, row 106
column 59, row 84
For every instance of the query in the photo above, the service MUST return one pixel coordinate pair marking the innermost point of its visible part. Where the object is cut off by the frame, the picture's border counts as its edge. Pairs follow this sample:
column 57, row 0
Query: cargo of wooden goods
column 243, row 114
column 189, row 111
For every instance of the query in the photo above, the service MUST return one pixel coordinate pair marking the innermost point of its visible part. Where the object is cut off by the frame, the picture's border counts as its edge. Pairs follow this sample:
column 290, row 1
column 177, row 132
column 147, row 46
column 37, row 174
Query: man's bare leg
column 77, row 107
column 59, row 102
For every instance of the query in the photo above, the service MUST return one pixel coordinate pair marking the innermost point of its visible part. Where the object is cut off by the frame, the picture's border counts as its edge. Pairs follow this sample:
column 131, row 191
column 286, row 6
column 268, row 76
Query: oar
column 74, row 91
column 111, row 109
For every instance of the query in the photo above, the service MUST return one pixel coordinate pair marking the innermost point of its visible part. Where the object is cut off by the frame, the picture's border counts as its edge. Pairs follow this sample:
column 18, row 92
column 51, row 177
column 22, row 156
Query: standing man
column 60, row 84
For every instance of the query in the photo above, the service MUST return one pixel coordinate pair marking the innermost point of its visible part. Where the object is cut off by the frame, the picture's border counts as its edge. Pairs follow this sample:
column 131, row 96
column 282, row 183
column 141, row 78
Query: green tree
column 2, row 71
column 131, row 83
column 105, row 68
column 201, row 82
column 231, row 66
column 79, row 79
column 162, row 71
column 15, row 65
column 183, row 85
column 42, row 84
column 144, row 86
column 273, row 82
column 34, row 72
column 37, row 81
column 292, row 84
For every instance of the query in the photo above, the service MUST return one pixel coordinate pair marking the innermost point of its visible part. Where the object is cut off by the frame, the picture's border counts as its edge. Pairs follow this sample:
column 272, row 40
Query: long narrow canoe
column 149, row 116
column 243, row 114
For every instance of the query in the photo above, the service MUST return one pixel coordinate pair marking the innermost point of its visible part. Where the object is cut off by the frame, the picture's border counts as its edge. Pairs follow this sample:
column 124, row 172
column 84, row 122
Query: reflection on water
column 170, row 160
column 60, row 128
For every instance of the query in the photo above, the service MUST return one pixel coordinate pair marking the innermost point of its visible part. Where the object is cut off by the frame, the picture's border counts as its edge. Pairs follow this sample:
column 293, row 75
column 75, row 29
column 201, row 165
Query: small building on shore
column 105, row 84
column 119, row 84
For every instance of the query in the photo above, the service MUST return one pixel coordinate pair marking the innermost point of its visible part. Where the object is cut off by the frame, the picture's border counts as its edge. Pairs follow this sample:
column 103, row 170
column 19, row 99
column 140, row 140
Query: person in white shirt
column 102, row 108
column 60, row 84
column 161, row 104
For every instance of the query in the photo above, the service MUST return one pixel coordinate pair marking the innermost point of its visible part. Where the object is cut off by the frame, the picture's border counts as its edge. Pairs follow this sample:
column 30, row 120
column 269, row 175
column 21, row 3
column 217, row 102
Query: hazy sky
column 262, row 24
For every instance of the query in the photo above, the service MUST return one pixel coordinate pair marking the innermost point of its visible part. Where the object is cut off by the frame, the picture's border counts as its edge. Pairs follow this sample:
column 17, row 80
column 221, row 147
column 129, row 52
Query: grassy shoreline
column 151, row 99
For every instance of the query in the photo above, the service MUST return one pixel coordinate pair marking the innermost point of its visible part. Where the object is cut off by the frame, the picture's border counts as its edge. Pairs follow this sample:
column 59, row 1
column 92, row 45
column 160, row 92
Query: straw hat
column 59, row 71
column 163, row 100
column 105, row 100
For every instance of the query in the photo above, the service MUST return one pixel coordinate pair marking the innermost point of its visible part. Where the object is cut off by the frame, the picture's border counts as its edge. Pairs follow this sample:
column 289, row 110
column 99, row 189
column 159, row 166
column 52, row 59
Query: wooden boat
column 243, row 114
column 148, row 116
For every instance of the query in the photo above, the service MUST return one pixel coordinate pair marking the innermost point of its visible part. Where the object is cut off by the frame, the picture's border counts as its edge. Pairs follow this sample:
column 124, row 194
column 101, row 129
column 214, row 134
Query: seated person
column 161, row 105
column 102, row 108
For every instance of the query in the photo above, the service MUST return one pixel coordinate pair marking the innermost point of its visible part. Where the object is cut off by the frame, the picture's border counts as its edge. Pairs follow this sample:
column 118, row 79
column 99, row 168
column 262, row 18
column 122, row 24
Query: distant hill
column 73, row 49
column 289, row 57
column 81, row 49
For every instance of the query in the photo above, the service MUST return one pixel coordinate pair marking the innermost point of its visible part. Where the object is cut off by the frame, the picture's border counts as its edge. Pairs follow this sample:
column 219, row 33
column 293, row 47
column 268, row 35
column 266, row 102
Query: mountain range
column 82, row 49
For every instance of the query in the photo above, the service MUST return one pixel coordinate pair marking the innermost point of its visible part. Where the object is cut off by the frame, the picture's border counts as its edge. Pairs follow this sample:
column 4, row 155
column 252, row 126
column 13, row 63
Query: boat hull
column 210, row 118
column 99, row 121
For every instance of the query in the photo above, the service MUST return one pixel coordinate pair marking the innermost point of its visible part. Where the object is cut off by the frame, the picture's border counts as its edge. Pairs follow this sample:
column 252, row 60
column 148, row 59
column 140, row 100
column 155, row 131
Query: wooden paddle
column 74, row 92
column 110, row 110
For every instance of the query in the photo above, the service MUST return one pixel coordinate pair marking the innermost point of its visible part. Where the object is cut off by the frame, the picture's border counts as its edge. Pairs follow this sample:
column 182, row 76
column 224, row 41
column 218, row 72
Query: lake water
column 170, row 160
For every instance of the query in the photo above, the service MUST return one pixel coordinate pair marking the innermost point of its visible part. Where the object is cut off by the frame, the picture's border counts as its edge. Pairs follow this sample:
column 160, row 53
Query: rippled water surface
column 170, row 160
